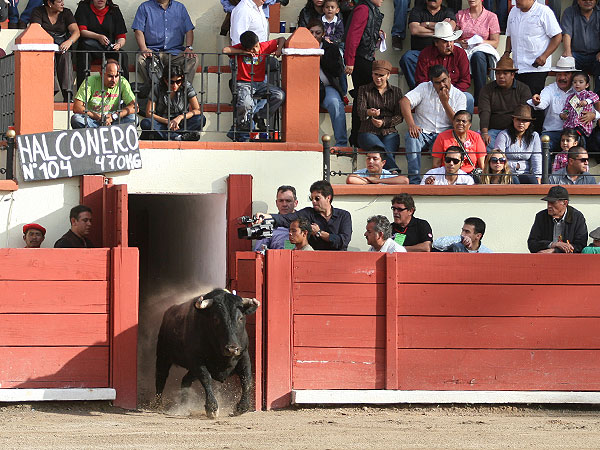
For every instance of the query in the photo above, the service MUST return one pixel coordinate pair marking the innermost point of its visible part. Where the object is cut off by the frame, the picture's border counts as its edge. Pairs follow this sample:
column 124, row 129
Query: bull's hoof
column 156, row 402
column 241, row 408
column 212, row 414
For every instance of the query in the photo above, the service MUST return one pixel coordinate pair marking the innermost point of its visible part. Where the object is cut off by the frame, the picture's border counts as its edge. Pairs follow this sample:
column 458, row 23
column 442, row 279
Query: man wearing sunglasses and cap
column 576, row 171
column 559, row 228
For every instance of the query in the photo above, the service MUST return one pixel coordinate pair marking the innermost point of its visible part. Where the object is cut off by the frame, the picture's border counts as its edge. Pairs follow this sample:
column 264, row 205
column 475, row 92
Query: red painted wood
column 92, row 195
column 278, row 366
column 259, row 337
column 54, row 297
column 239, row 203
column 53, row 367
column 53, row 329
column 543, row 370
column 339, row 331
column 500, row 332
column 391, row 322
column 53, row 264
column 329, row 267
column 124, row 308
column 499, row 300
column 337, row 299
column 508, row 268
column 339, row 368
column 246, row 275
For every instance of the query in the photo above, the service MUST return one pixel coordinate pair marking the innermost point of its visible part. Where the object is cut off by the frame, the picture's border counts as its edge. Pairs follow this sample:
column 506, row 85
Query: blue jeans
column 13, row 11
column 85, row 121
column 335, row 106
column 400, row 15
column 588, row 63
column 554, row 140
column 408, row 65
column 493, row 134
column 470, row 102
column 413, row 154
column 194, row 123
column 479, row 72
column 390, row 142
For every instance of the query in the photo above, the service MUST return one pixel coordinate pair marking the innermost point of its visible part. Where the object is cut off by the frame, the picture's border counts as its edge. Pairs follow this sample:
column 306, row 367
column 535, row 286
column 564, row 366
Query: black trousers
column 361, row 75
column 94, row 51
column 536, row 82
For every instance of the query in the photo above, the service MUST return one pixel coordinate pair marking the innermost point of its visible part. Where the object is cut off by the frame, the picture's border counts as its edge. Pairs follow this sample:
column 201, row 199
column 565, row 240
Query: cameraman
column 331, row 228
column 286, row 203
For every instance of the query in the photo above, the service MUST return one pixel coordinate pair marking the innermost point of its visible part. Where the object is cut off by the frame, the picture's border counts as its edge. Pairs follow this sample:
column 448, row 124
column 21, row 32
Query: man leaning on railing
column 98, row 100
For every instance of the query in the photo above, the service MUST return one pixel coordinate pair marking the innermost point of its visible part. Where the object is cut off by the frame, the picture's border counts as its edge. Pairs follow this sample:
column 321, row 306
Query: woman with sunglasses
column 173, row 111
column 496, row 170
column 522, row 146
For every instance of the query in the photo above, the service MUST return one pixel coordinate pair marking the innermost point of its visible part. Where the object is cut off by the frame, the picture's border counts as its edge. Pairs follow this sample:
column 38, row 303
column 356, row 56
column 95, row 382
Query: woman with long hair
column 102, row 29
column 312, row 10
column 522, row 146
column 496, row 170
column 58, row 22
column 173, row 110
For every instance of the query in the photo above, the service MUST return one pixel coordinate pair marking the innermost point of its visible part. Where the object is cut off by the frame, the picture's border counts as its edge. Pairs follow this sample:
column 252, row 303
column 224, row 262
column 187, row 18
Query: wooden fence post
column 258, row 332
column 124, row 322
column 278, row 387
column 391, row 321
column 239, row 203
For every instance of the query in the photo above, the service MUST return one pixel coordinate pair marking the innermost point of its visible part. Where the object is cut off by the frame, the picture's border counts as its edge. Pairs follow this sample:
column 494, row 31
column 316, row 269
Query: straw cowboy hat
column 505, row 64
column 443, row 30
column 565, row 64
column 523, row 112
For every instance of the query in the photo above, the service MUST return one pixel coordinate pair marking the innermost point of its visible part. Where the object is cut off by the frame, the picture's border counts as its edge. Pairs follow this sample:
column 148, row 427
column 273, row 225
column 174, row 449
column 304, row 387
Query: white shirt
column 440, row 177
column 530, row 33
column 429, row 113
column 389, row 246
column 246, row 16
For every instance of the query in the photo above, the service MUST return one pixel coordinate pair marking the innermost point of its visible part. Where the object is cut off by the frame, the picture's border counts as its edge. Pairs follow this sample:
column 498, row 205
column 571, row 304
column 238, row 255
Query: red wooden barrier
column 68, row 319
column 430, row 322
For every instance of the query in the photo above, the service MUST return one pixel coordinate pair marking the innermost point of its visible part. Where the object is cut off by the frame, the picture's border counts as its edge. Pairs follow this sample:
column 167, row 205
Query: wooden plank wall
column 248, row 282
column 54, row 318
column 431, row 322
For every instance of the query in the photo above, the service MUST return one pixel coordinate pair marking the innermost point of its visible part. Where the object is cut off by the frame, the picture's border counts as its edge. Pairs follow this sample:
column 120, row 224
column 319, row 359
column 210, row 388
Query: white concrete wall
column 508, row 218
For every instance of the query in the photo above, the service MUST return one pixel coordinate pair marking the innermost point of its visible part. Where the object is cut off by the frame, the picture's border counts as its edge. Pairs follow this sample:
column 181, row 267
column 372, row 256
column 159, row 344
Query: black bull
column 207, row 336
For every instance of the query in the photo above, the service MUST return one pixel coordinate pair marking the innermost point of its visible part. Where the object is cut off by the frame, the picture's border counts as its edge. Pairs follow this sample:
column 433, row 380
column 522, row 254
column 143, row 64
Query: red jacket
column 457, row 64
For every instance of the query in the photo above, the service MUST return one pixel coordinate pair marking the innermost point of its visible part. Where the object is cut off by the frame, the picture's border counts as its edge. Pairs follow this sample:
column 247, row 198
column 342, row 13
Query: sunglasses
column 452, row 160
column 177, row 81
column 396, row 209
column 493, row 159
column 583, row 160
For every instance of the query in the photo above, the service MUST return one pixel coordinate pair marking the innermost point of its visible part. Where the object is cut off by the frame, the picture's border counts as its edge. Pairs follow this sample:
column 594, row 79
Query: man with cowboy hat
column 498, row 100
column 559, row 228
column 581, row 27
column 421, row 24
column 443, row 52
column 552, row 101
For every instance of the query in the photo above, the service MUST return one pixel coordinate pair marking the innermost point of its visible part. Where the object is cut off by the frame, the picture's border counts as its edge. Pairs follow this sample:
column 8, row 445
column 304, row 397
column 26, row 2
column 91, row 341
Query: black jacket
column 541, row 232
column 368, row 43
column 332, row 66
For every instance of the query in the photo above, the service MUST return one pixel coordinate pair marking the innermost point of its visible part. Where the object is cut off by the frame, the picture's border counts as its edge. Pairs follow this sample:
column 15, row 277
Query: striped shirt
column 388, row 104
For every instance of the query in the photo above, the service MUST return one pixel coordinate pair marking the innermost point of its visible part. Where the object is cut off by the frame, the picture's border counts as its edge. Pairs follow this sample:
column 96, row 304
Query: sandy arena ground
column 98, row 425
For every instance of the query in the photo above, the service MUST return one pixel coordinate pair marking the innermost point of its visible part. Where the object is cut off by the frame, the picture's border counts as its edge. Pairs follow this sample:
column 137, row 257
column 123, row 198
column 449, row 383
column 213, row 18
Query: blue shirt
column 276, row 241
column 454, row 244
column 228, row 7
column 164, row 29
column 365, row 173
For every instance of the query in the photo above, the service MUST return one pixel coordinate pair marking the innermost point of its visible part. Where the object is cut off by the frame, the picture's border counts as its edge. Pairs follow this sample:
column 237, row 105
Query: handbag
column 476, row 172
column 59, row 38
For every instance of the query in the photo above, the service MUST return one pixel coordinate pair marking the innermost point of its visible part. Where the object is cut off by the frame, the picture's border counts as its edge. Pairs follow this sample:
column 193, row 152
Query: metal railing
column 213, row 85
column 7, row 93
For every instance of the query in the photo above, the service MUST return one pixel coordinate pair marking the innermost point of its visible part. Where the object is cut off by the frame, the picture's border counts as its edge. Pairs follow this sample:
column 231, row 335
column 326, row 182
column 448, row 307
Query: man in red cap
column 33, row 235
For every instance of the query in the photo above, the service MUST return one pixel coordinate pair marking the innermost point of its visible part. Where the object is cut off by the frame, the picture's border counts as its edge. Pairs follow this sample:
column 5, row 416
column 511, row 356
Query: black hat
column 595, row 234
column 556, row 193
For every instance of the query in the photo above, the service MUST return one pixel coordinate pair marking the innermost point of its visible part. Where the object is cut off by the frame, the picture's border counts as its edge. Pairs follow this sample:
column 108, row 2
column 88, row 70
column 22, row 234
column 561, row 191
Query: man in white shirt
column 532, row 34
column 552, row 100
column 379, row 236
column 450, row 173
column 248, row 15
column 435, row 103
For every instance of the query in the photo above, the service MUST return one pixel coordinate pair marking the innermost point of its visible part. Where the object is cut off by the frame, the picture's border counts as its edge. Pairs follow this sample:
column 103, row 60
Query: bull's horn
column 250, row 301
column 203, row 303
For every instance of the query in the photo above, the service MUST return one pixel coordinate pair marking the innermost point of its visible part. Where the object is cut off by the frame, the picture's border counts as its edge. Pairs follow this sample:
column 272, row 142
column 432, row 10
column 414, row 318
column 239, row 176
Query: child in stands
column 579, row 102
column 334, row 27
column 568, row 138
column 251, row 85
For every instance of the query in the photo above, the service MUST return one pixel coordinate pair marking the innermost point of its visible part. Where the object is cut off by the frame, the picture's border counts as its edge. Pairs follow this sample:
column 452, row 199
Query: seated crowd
column 559, row 228
column 448, row 48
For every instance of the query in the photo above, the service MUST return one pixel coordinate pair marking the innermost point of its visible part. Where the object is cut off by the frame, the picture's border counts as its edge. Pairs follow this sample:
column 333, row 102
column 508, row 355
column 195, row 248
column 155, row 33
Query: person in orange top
column 469, row 140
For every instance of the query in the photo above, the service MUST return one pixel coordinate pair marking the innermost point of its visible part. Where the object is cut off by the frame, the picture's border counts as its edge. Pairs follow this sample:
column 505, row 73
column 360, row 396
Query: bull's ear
column 249, row 305
column 202, row 303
